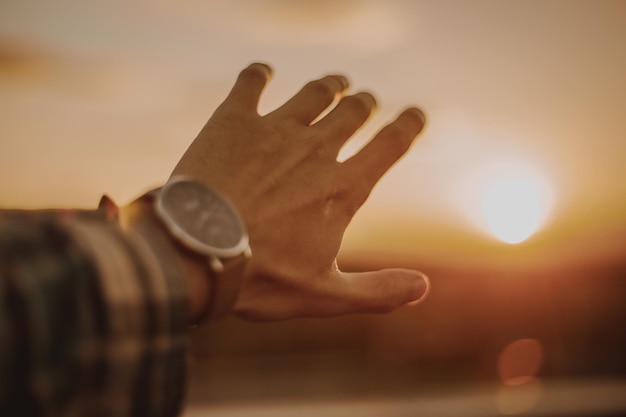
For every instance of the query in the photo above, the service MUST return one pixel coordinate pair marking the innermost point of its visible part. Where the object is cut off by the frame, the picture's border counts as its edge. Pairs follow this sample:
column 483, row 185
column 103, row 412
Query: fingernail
column 421, row 289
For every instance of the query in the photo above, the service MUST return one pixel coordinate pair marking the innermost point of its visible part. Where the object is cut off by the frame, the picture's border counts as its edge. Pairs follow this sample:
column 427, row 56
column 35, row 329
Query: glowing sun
column 514, row 205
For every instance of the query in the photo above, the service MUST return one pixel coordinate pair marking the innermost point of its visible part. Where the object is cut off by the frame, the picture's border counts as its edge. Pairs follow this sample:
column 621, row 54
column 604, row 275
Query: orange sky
column 105, row 96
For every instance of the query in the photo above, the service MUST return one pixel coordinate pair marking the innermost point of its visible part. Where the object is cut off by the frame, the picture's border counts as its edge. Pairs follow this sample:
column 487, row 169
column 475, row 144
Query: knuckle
column 321, row 148
column 318, row 150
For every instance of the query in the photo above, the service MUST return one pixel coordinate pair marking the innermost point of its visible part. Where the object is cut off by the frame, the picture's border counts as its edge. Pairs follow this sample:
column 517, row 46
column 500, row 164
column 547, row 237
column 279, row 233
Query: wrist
column 139, row 218
column 206, row 234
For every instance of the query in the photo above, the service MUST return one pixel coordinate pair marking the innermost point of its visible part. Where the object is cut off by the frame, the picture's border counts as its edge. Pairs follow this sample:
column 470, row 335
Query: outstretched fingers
column 247, row 90
column 384, row 150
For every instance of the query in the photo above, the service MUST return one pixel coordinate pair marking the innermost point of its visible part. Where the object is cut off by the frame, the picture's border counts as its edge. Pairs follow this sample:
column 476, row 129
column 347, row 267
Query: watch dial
column 202, row 214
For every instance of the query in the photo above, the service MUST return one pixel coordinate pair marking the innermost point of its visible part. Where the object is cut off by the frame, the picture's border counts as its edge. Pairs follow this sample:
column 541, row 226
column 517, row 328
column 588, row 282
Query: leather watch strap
column 224, row 281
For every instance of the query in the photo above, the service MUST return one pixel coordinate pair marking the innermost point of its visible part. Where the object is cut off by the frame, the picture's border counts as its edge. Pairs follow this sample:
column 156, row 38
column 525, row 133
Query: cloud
column 364, row 27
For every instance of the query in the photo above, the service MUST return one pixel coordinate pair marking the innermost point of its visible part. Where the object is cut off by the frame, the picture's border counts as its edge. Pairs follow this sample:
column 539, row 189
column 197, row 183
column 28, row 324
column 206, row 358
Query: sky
column 104, row 97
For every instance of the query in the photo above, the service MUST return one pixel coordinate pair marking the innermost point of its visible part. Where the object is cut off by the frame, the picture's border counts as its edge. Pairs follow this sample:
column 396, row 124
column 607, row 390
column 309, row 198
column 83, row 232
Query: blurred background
column 513, row 200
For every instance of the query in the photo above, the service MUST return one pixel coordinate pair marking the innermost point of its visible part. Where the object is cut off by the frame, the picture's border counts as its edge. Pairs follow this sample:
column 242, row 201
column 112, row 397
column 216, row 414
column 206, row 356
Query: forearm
column 91, row 319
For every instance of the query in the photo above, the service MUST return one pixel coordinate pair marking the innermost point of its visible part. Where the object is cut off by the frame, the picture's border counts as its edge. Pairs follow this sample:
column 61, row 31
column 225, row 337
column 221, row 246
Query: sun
column 513, row 205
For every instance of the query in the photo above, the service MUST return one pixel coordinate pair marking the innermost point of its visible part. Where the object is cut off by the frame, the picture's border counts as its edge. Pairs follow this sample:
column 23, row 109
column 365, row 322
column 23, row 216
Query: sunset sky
column 103, row 97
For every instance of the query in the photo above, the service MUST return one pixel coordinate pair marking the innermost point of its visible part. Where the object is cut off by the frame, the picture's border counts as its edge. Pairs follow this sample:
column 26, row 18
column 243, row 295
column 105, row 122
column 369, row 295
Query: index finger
column 247, row 90
column 387, row 147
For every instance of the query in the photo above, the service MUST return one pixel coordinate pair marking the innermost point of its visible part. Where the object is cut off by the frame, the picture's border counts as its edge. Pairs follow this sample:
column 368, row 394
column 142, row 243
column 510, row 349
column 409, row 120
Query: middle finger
column 312, row 99
column 345, row 119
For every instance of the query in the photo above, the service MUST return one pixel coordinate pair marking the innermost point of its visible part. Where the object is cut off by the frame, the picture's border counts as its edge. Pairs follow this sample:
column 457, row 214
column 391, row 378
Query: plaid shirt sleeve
column 92, row 321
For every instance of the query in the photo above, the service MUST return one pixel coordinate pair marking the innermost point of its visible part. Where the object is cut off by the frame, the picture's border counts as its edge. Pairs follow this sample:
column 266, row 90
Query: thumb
column 385, row 290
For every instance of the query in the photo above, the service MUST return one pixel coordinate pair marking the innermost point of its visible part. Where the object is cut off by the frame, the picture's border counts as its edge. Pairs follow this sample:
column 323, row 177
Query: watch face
column 202, row 219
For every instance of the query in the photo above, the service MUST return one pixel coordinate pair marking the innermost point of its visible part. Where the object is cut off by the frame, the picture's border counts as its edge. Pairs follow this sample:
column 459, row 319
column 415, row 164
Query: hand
column 282, row 173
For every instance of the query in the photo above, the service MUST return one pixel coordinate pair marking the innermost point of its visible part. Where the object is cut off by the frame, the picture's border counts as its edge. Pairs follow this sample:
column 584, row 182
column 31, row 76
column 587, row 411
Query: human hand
column 282, row 173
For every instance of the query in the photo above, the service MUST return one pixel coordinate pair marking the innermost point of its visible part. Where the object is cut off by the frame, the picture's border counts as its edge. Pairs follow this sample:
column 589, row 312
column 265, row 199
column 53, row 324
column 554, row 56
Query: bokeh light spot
column 520, row 359
column 518, row 366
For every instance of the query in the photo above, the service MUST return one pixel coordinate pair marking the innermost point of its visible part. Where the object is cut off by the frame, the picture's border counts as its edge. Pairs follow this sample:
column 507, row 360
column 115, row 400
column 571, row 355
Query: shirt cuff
column 144, row 344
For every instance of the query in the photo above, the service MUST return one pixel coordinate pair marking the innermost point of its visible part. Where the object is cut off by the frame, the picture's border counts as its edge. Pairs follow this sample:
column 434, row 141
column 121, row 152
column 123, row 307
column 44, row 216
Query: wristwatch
column 206, row 223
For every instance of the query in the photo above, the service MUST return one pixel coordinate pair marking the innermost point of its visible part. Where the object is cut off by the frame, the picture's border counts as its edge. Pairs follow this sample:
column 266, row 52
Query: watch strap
column 225, row 275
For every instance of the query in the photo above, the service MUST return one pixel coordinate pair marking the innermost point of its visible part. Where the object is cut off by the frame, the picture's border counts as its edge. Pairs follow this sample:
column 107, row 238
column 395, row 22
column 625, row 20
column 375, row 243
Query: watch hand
column 191, row 205
column 203, row 219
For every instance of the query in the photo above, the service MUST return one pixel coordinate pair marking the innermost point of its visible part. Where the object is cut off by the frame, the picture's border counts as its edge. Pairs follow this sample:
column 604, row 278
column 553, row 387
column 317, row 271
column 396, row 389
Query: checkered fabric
column 92, row 321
